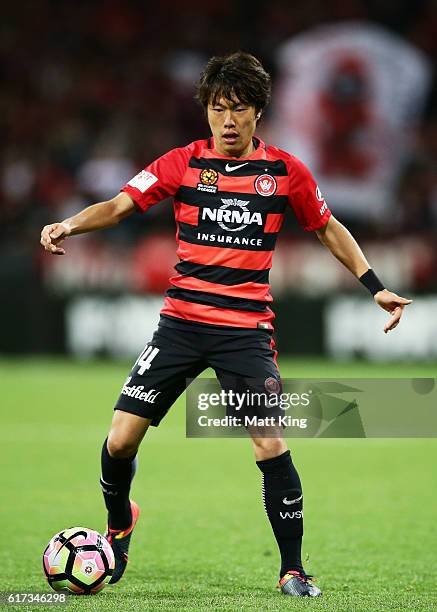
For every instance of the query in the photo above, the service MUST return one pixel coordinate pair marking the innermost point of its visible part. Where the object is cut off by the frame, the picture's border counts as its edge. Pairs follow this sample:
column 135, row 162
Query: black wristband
column 371, row 281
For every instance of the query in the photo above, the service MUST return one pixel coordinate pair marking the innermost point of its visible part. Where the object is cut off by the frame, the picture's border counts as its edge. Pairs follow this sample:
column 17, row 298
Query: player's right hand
column 53, row 235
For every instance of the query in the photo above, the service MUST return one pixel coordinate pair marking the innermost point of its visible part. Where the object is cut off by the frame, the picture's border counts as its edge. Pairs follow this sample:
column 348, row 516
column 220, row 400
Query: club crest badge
column 265, row 185
column 272, row 385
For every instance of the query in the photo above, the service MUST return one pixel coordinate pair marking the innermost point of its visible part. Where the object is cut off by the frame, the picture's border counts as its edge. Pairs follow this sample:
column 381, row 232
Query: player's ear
column 258, row 116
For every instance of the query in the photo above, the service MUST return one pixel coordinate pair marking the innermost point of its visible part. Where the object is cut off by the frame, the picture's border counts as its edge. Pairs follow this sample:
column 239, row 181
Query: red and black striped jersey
column 228, row 214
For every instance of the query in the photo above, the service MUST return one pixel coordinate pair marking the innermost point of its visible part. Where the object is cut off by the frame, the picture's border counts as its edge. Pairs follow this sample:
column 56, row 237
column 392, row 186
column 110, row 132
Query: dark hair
column 237, row 75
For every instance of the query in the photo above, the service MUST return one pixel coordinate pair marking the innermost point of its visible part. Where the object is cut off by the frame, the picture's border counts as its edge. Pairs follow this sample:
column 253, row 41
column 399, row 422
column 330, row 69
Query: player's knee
column 119, row 447
column 267, row 448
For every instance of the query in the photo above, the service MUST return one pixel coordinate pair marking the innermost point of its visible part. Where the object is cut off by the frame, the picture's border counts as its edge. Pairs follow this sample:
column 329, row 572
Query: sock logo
column 291, row 515
column 289, row 502
column 107, row 491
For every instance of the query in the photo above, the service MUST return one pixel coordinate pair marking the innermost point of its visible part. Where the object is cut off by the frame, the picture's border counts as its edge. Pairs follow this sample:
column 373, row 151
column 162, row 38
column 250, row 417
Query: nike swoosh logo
column 229, row 168
column 108, row 492
column 289, row 502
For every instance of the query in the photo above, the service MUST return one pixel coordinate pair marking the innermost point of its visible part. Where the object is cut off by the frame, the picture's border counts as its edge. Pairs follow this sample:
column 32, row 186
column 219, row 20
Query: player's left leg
column 248, row 363
column 283, row 498
column 283, row 502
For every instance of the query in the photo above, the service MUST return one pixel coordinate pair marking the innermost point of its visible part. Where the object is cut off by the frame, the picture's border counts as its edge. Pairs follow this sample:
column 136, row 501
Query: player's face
column 232, row 124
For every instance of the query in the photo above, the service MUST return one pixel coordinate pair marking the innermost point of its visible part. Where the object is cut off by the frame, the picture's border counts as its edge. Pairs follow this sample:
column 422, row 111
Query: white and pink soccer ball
column 78, row 560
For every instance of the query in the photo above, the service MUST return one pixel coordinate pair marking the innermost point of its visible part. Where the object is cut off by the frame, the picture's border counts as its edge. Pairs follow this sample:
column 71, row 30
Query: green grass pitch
column 203, row 541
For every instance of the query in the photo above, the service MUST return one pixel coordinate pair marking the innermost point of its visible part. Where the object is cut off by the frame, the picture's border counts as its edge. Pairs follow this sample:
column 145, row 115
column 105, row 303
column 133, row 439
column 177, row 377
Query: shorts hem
column 155, row 421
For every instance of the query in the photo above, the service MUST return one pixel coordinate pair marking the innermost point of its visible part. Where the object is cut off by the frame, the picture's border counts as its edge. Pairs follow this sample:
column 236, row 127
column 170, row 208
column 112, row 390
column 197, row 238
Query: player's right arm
column 94, row 217
column 156, row 182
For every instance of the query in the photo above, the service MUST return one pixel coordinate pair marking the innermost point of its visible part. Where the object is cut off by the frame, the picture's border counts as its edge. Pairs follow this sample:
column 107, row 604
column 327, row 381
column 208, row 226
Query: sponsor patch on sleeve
column 143, row 180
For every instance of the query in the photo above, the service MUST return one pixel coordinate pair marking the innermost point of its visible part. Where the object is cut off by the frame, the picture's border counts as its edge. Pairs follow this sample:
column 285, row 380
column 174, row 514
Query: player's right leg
column 119, row 464
column 118, row 469
column 157, row 379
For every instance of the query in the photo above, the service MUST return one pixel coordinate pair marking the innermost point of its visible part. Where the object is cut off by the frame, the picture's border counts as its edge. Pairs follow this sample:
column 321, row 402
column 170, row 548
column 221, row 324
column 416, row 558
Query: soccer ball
column 78, row 560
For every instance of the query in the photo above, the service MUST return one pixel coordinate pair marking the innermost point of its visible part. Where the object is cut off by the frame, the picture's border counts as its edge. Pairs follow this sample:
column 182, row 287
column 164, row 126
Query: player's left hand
column 392, row 303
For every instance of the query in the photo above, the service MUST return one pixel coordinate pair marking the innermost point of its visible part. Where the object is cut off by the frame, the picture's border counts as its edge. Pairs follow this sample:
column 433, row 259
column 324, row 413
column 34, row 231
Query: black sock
column 283, row 501
column 116, row 479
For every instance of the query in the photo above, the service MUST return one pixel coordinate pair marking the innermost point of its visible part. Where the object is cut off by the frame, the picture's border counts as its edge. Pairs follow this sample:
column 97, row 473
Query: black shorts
column 174, row 357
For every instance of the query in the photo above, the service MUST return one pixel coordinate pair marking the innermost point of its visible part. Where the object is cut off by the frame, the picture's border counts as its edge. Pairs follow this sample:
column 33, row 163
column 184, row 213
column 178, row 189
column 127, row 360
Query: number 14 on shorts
column 145, row 359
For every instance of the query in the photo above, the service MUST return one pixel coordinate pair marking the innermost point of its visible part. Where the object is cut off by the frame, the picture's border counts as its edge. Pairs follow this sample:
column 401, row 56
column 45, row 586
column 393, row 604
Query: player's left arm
column 344, row 247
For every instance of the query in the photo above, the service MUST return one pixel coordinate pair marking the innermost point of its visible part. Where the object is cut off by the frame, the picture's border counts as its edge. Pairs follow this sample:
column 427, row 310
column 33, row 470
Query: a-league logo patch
column 265, row 185
column 209, row 176
column 208, row 179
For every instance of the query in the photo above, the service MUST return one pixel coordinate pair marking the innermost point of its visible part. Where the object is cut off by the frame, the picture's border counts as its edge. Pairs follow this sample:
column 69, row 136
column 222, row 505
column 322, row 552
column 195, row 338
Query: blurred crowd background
column 93, row 91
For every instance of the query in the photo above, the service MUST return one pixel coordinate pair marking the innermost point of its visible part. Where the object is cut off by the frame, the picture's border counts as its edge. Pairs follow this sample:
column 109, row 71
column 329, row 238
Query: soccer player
column 231, row 193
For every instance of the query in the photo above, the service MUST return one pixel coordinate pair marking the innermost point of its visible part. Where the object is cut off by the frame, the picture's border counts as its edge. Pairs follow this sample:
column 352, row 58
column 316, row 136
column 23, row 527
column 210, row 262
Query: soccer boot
column 119, row 540
column 298, row 584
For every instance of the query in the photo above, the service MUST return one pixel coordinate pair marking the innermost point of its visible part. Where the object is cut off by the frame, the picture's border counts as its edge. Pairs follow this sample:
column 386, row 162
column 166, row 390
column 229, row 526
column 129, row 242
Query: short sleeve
column 159, row 180
column 305, row 197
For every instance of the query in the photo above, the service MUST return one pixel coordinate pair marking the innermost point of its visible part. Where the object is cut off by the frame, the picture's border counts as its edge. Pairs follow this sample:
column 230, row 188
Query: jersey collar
column 259, row 153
